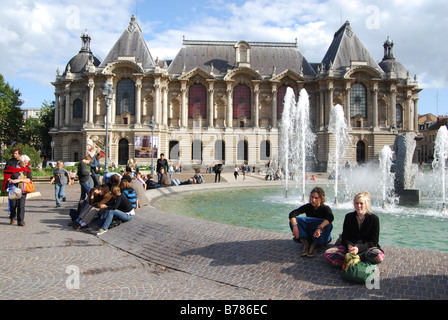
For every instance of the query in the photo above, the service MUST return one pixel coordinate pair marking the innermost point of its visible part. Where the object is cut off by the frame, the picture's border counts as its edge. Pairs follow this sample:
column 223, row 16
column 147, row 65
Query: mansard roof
column 345, row 49
column 218, row 57
column 131, row 44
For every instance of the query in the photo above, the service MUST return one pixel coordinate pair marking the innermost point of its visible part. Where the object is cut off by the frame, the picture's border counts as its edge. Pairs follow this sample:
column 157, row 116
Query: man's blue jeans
column 59, row 193
column 307, row 227
column 85, row 190
column 108, row 216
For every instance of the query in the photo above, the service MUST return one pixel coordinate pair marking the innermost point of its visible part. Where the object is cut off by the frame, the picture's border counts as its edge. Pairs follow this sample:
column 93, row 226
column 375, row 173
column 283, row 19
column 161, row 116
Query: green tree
column 30, row 133
column 11, row 116
column 26, row 149
column 46, row 122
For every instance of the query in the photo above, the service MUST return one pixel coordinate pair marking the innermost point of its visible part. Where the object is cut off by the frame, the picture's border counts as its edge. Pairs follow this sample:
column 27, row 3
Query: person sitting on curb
column 314, row 229
column 129, row 192
column 97, row 197
column 121, row 208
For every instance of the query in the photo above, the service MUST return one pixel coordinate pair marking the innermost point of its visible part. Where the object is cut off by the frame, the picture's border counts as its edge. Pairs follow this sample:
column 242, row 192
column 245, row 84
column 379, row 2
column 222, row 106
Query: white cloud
column 38, row 37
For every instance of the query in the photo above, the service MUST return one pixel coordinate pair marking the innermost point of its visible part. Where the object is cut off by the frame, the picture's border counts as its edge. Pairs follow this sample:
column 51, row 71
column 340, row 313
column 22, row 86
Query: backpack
column 355, row 270
column 199, row 179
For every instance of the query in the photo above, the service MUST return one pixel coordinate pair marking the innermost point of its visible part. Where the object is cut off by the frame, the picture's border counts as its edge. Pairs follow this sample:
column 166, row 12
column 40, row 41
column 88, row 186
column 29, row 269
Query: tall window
column 196, row 150
column 241, row 101
column 358, row 100
column 265, row 150
column 220, row 150
column 125, row 96
column 399, row 112
column 77, row 109
column 280, row 105
column 197, row 101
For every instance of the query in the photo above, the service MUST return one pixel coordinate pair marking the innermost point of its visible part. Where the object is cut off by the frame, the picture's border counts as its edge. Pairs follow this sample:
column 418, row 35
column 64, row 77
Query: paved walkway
column 160, row 255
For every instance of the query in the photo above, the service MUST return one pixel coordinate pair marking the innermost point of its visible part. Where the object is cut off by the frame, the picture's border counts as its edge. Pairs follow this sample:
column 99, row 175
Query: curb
column 29, row 196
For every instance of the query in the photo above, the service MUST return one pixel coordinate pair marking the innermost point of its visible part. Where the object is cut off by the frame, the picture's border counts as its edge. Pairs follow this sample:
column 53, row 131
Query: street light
column 52, row 149
column 152, row 125
column 108, row 93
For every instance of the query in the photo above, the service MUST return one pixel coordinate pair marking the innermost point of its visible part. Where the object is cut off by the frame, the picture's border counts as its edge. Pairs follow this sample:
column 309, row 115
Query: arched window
column 265, row 150
column 241, row 101
column 174, row 150
column 220, row 150
column 360, row 152
column 123, row 152
column 358, row 100
column 242, row 150
column 280, row 96
column 197, row 101
column 77, row 109
column 399, row 113
column 196, row 150
column 125, row 96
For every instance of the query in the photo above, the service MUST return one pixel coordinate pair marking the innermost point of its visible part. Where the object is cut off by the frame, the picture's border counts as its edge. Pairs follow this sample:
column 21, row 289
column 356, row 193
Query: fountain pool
column 422, row 226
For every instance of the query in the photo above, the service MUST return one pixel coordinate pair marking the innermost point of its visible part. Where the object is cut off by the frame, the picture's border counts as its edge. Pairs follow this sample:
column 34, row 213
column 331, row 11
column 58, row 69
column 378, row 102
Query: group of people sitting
column 116, row 199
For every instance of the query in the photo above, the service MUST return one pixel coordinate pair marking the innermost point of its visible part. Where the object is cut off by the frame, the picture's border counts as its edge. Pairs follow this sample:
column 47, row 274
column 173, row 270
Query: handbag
column 29, row 187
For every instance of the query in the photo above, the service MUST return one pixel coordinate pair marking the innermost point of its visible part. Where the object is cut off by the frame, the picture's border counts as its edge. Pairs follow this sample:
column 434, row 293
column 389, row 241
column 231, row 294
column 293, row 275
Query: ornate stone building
column 223, row 100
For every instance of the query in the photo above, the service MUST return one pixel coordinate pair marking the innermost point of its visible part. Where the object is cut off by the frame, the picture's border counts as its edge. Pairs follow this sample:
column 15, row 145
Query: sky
column 38, row 37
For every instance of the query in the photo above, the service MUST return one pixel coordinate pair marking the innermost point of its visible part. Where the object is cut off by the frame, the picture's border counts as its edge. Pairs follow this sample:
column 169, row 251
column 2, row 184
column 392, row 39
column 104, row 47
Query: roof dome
column 393, row 65
column 389, row 64
column 78, row 63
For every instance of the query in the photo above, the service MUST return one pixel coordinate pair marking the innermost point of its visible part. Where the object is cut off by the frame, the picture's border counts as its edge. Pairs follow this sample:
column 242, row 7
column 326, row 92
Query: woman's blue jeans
column 108, row 216
column 307, row 227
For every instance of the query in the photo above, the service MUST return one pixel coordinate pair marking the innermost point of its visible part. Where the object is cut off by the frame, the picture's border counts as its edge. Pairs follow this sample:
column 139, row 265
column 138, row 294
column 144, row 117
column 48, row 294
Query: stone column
column 256, row 115
column 210, row 115
column 184, row 113
column 157, row 100
column 229, row 110
column 348, row 91
column 393, row 106
column 67, row 105
column 138, row 102
column 375, row 106
column 274, row 111
column 165, row 105
column 416, row 115
column 321, row 109
column 56, row 109
column 91, row 96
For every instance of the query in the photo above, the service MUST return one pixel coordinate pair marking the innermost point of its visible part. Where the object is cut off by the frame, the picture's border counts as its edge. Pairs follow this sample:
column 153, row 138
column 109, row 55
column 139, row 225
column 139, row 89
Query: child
column 61, row 179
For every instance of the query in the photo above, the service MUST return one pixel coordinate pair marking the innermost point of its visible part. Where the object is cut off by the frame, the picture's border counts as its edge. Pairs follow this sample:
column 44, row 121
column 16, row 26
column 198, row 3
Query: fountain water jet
column 440, row 159
column 387, row 178
column 297, row 136
column 338, row 126
column 288, row 105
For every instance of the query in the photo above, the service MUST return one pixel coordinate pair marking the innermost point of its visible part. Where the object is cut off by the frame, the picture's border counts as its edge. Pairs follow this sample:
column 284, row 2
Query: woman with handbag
column 21, row 175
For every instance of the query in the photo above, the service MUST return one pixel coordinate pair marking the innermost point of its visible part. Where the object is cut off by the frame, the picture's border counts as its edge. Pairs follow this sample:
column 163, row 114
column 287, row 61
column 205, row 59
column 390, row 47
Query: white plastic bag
column 14, row 193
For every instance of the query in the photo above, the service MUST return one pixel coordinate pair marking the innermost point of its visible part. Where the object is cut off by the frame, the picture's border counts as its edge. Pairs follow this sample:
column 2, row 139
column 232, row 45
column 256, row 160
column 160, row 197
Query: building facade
column 429, row 126
column 223, row 100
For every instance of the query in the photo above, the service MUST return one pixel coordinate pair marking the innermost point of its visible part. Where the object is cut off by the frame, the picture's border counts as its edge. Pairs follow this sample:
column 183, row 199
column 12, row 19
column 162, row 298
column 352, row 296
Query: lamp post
column 108, row 93
column 152, row 125
column 52, row 149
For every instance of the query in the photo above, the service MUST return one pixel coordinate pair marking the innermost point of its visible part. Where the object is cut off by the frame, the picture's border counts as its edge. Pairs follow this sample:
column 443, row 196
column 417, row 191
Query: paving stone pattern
column 160, row 255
